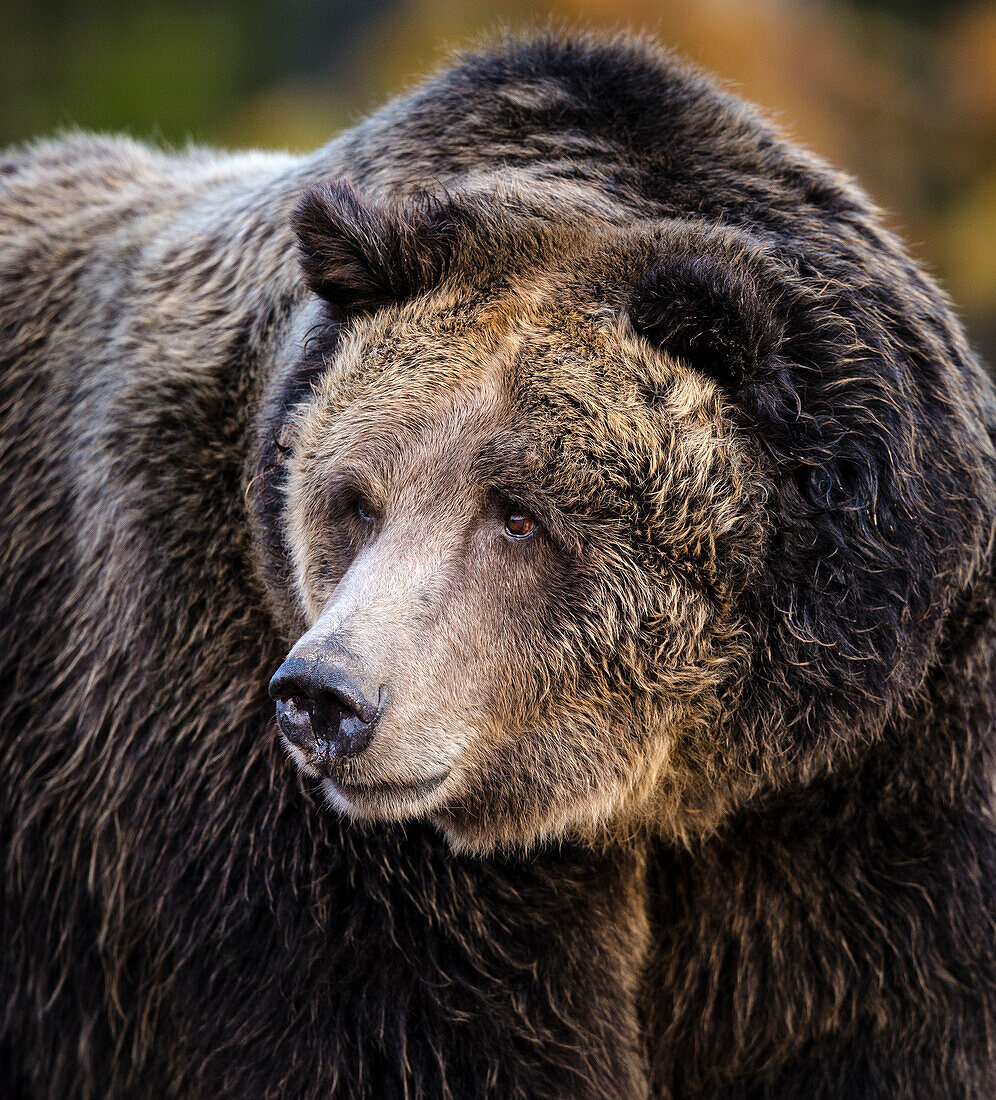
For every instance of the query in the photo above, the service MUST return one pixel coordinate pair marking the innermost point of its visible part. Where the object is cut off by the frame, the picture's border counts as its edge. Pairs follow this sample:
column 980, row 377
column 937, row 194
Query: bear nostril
column 339, row 725
column 354, row 733
column 294, row 720
column 327, row 713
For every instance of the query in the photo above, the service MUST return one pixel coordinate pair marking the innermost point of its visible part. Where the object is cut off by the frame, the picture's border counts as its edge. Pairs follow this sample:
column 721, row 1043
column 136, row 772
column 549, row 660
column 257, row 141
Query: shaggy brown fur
column 567, row 280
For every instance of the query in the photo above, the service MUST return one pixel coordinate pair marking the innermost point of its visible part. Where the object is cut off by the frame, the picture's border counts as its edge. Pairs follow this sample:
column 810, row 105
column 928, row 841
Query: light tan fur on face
column 553, row 682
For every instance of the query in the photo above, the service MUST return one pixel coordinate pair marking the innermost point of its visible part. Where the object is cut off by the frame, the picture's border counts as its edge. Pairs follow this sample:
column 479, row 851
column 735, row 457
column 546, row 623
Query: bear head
column 565, row 532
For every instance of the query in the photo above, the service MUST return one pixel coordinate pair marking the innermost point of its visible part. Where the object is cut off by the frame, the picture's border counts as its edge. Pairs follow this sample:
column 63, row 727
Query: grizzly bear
column 606, row 505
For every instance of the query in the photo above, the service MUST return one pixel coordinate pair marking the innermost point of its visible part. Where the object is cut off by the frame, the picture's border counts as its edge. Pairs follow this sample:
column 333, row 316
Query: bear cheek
column 568, row 773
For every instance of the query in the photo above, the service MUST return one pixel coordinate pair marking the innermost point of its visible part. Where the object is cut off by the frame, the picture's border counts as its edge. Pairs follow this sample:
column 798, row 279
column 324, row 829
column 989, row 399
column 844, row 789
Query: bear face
column 517, row 527
column 585, row 523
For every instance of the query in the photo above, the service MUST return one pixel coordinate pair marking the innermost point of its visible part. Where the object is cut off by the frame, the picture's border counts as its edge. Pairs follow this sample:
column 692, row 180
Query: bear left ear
column 718, row 312
column 361, row 253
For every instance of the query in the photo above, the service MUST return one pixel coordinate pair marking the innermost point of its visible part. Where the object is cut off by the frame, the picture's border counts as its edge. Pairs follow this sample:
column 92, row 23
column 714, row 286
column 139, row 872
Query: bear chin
column 385, row 801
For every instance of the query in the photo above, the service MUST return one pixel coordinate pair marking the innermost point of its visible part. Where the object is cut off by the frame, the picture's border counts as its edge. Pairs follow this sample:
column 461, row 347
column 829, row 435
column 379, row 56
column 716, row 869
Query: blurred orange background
column 900, row 93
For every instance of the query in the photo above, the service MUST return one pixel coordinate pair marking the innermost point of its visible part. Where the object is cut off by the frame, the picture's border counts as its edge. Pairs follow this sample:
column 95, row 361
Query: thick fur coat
column 741, row 844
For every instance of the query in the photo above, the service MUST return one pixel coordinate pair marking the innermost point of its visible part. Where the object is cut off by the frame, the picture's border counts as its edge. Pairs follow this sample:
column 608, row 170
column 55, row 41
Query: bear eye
column 519, row 526
column 364, row 509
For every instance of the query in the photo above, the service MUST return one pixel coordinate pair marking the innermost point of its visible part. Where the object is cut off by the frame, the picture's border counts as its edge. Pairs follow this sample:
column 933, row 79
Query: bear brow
column 351, row 480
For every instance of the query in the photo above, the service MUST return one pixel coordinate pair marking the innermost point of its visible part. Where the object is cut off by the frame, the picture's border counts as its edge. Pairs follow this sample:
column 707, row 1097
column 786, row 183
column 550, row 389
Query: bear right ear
column 361, row 254
column 717, row 309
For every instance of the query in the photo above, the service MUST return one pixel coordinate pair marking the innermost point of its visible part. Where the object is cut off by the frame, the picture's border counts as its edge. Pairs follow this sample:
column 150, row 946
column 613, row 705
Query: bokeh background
column 901, row 93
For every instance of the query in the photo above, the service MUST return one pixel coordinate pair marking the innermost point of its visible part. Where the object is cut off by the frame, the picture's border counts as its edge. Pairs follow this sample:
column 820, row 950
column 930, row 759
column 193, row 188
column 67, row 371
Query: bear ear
column 360, row 253
column 718, row 312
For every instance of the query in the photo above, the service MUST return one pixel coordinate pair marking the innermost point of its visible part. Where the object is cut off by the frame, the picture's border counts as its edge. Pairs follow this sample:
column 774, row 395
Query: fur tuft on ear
column 719, row 312
column 362, row 253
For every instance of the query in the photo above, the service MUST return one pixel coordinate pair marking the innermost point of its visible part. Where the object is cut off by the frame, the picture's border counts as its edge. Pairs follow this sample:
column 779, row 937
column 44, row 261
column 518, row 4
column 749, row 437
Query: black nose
column 323, row 710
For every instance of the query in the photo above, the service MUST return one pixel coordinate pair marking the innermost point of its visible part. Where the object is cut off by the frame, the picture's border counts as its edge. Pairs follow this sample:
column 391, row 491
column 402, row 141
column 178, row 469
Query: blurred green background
column 901, row 93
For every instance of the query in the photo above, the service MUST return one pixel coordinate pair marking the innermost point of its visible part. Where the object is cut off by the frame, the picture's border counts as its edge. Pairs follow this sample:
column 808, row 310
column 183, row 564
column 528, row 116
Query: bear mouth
column 380, row 797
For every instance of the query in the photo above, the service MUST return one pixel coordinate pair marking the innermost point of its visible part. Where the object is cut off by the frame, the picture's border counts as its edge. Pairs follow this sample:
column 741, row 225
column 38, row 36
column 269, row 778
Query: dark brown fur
column 743, row 676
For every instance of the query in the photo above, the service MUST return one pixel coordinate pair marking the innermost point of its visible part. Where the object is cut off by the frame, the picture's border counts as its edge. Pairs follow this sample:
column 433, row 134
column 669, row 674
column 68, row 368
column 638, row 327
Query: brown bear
column 618, row 501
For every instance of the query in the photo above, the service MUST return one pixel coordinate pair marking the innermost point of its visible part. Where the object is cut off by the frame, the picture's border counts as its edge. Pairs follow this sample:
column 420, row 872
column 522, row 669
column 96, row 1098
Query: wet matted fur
column 717, row 741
